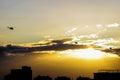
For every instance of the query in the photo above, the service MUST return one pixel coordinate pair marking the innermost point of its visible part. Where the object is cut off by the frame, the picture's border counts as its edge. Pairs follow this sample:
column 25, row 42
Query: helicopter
column 10, row 27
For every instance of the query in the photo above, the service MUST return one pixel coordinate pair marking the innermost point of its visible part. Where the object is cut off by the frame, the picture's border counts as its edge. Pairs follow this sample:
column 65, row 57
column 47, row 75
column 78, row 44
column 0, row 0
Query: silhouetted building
column 62, row 78
column 83, row 78
column 43, row 78
column 7, row 77
column 107, row 75
column 20, row 74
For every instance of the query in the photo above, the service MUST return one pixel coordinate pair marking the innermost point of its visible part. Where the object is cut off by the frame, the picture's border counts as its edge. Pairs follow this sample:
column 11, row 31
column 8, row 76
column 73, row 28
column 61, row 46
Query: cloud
column 102, row 42
column 71, row 32
column 99, row 25
column 52, row 45
column 114, row 51
column 2, row 50
column 14, row 49
column 47, row 36
column 62, row 40
column 52, row 41
column 59, row 47
column 112, row 25
column 90, row 36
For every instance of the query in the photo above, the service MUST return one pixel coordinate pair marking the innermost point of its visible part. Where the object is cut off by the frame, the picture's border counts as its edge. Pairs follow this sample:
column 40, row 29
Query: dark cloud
column 51, row 45
column 61, row 41
column 59, row 47
column 54, row 45
column 13, row 49
column 49, row 42
column 2, row 50
column 114, row 50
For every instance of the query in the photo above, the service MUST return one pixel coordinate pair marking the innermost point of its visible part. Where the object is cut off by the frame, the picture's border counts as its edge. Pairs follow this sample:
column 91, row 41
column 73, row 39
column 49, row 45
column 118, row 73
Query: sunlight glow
column 87, row 54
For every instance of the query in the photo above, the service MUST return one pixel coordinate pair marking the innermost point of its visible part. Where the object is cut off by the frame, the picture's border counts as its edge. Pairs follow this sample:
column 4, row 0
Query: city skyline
column 26, row 74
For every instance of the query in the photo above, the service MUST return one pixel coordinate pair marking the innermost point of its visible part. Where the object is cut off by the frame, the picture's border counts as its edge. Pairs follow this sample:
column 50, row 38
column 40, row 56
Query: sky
column 84, row 32
column 33, row 20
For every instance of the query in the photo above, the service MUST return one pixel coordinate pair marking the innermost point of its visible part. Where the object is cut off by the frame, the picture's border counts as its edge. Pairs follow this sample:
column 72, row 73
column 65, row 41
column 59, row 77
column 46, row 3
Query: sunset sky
column 61, row 37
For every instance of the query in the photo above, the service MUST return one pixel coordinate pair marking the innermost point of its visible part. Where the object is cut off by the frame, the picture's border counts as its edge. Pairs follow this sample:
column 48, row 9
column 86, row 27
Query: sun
column 87, row 54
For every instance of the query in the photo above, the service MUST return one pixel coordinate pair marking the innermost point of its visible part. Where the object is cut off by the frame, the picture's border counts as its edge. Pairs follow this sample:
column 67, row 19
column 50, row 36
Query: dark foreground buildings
column 83, row 78
column 62, row 78
column 26, row 74
column 42, row 78
column 20, row 74
column 107, row 75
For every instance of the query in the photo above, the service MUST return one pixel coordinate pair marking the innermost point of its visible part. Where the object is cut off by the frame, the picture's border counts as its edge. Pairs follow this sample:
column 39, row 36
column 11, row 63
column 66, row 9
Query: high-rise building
column 107, row 75
column 20, row 74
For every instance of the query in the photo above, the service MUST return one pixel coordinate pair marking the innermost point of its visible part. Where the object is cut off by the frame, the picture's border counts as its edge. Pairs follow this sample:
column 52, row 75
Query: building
column 62, row 78
column 107, row 75
column 43, row 78
column 83, row 78
column 20, row 74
